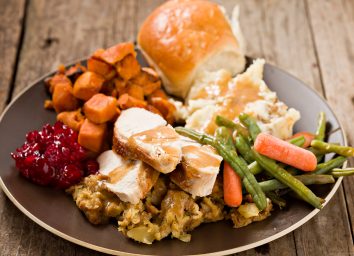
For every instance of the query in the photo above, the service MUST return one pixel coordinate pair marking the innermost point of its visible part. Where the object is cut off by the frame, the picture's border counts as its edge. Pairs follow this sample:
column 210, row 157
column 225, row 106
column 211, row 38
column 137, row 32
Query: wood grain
column 11, row 15
column 333, row 23
column 298, row 36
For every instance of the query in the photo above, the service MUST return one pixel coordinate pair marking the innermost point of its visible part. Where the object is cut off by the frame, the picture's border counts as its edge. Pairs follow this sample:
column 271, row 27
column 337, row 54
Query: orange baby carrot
column 308, row 138
column 285, row 152
column 232, row 187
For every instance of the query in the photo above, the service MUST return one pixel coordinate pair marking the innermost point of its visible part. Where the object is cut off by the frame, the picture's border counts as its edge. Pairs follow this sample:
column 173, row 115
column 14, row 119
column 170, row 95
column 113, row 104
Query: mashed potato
column 217, row 93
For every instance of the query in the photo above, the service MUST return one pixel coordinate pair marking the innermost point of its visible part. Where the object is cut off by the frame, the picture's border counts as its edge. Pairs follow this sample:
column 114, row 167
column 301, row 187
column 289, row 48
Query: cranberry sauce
column 53, row 157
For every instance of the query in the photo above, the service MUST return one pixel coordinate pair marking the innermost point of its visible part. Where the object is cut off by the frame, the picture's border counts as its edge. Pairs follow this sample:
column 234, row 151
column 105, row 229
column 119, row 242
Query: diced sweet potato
column 92, row 136
column 98, row 53
column 48, row 104
column 75, row 71
column 61, row 69
column 63, row 98
column 152, row 73
column 159, row 93
column 87, row 85
column 100, row 108
column 128, row 67
column 116, row 53
column 147, row 82
column 125, row 101
column 100, row 67
column 120, row 85
column 152, row 109
column 166, row 108
column 73, row 119
column 57, row 79
column 135, row 91
column 109, row 88
column 150, row 87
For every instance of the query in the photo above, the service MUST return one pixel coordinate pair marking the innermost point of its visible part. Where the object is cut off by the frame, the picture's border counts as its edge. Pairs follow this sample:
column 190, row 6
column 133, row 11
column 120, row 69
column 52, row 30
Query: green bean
column 222, row 121
column 284, row 177
column 293, row 171
column 319, row 135
column 238, row 164
column 329, row 165
column 333, row 148
column 276, row 199
column 298, row 141
column 223, row 135
column 251, row 125
column 271, row 185
column 244, row 149
column 319, row 155
column 321, row 127
column 255, row 168
column 336, row 172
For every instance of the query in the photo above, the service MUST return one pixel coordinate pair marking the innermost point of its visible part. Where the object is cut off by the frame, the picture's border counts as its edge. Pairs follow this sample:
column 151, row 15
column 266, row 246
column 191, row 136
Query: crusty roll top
column 182, row 35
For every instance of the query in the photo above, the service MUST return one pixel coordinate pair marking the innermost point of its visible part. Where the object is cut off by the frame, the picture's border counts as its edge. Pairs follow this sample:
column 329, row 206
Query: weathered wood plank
column 11, row 15
column 333, row 23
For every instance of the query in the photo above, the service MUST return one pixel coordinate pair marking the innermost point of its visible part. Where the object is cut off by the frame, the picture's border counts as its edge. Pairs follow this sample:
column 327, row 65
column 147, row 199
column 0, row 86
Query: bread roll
column 182, row 37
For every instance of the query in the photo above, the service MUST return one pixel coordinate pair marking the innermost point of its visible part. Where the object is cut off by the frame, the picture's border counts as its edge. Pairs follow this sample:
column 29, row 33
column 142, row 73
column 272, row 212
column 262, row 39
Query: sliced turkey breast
column 130, row 122
column 140, row 134
column 130, row 180
column 159, row 147
column 198, row 170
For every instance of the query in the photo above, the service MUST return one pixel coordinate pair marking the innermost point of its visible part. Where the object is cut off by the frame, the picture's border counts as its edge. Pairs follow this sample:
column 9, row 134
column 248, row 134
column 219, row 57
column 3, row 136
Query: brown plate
column 56, row 211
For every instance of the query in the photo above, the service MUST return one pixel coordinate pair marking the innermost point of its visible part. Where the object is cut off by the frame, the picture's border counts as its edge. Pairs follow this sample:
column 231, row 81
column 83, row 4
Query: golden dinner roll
column 182, row 37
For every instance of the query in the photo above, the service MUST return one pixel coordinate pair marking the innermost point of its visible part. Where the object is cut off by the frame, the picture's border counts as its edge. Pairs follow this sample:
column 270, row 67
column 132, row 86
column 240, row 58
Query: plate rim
column 224, row 252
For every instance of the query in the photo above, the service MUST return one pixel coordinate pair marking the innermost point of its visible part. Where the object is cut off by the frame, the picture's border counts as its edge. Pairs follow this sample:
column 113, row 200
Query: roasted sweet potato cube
column 159, row 93
column 75, row 71
column 147, row 82
column 166, row 108
column 98, row 53
column 57, row 79
column 92, row 136
column 48, row 104
column 73, row 119
column 63, row 98
column 109, row 88
column 100, row 108
column 116, row 53
column 152, row 109
column 135, row 91
column 100, row 67
column 128, row 67
column 125, row 101
column 121, row 86
column 61, row 69
column 153, row 74
column 87, row 85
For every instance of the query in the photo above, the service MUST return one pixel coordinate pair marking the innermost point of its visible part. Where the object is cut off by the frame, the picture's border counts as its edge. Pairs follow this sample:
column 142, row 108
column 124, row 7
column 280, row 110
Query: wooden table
column 311, row 39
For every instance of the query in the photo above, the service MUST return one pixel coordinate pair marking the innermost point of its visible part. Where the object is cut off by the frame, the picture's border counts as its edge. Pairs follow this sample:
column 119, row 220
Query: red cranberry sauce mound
column 53, row 157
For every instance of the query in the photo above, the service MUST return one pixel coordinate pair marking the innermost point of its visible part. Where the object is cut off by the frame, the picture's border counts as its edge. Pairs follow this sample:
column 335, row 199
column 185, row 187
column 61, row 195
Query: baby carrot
column 285, row 152
column 308, row 138
column 232, row 187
